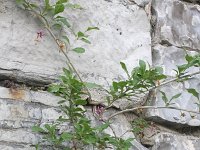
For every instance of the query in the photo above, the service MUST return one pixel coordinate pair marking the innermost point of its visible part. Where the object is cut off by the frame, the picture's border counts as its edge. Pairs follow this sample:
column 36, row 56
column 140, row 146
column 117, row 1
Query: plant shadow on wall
column 71, row 88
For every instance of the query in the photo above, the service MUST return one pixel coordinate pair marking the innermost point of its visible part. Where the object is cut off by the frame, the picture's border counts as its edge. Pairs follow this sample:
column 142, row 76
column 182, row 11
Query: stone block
column 168, row 58
column 176, row 23
column 124, row 35
column 168, row 141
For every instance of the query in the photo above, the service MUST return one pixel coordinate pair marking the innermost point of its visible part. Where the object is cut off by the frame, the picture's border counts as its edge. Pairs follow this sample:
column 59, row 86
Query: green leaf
column 103, row 126
column 115, row 86
column 51, row 128
column 188, row 58
column 80, row 102
column 54, row 88
column 34, row 5
column 57, row 25
column 47, row 6
column 92, row 28
column 164, row 97
column 159, row 69
column 59, row 8
column 91, row 85
column 65, row 39
column 123, row 65
column 20, row 2
column 122, row 84
column 194, row 93
column 80, row 34
column 160, row 77
column 62, row 1
column 37, row 129
column 175, row 96
column 66, row 136
column 142, row 65
column 85, row 40
column 67, row 72
column 37, row 146
column 47, row 3
column 108, row 100
column 63, row 20
column 79, row 50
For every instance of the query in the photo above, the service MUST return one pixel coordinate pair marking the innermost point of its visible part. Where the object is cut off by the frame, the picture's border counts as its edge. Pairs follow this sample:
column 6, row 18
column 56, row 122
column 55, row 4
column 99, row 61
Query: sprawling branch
column 156, row 107
column 151, row 107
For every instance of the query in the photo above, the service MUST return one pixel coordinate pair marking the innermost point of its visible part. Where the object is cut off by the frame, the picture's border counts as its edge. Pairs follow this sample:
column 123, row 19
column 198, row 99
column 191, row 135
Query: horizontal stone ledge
column 42, row 97
column 20, row 111
column 19, row 136
column 15, row 146
column 27, row 73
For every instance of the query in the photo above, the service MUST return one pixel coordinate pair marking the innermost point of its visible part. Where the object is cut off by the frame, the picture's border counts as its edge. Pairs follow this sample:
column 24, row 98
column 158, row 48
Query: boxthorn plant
column 71, row 88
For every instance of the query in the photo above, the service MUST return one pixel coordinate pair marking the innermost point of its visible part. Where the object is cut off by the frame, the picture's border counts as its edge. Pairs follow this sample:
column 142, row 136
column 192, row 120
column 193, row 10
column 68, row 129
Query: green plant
column 72, row 89
column 148, row 83
column 82, row 133
column 139, row 81
column 139, row 125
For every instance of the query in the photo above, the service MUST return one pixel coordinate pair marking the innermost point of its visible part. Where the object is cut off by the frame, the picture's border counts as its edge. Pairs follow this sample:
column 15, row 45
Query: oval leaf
column 59, row 8
column 92, row 28
column 79, row 50
column 80, row 102
column 193, row 92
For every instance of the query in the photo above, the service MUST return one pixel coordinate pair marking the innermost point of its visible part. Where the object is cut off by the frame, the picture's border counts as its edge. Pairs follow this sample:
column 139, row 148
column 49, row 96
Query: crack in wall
column 168, row 44
column 192, row 1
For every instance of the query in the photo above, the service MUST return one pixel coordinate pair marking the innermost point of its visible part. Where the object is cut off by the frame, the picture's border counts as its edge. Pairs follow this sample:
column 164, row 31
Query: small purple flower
column 40, row 34
column 98, row 110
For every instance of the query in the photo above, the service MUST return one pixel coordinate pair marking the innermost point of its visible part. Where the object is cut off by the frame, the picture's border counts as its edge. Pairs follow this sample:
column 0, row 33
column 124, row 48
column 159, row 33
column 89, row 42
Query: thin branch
column 151, row 107
column 170, row 81
column 175, row 79
column 45, row 22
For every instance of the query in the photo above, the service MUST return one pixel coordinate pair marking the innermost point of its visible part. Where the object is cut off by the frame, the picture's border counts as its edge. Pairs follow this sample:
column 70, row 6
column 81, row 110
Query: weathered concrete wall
column 129, row 30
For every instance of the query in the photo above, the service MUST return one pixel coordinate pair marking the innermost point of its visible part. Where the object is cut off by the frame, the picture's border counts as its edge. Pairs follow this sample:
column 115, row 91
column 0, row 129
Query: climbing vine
column 81, row 134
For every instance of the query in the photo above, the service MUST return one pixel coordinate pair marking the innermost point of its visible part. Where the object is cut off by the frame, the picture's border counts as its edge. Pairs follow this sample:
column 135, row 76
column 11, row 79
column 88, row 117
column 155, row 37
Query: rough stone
column 24, row 108
column 26, row 95
column 168, row 141
column 18, row 136
column 150, row 132
column 168, row 58
column 177, row 23
column 192, row 1
column 19, row 113
column 126, row 34
column 141, row 3
column 120, row 126
column 15, row 147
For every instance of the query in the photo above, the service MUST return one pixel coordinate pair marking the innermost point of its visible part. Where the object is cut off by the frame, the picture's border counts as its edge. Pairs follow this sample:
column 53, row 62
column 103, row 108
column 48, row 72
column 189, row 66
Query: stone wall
column 156, row 31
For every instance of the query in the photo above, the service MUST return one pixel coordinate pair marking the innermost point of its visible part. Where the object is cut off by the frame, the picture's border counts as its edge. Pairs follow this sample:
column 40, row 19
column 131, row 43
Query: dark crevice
column 192, row 1
column 15, row 84
column 168, row 44
column 153, row 23
column 168, row 124
column 26, row 78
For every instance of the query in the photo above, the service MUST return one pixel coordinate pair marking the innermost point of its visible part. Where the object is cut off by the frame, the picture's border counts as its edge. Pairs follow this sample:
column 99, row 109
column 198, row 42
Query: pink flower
column 98, row 110
column 40, row 34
